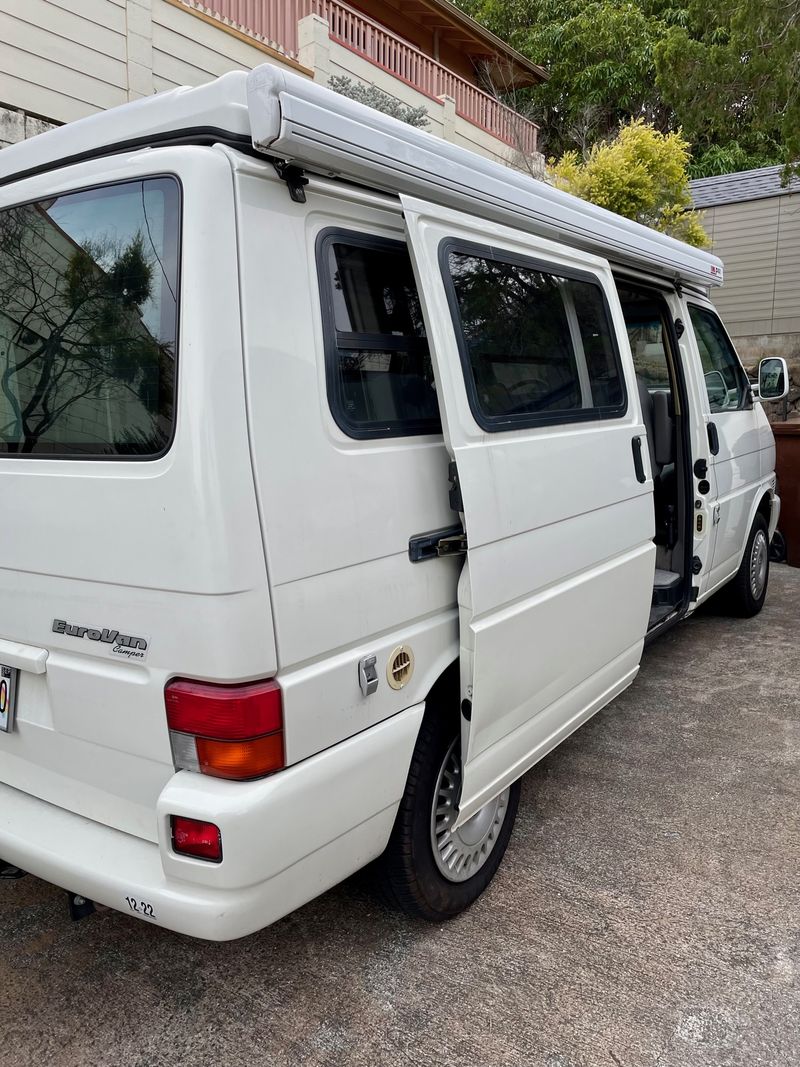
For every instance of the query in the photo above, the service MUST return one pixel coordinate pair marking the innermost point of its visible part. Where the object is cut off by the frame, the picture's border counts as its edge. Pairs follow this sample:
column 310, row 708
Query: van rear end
column 131, row 553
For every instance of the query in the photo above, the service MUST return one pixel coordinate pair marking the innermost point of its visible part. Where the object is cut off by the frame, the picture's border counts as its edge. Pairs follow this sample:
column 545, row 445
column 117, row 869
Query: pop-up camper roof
column 288, row 117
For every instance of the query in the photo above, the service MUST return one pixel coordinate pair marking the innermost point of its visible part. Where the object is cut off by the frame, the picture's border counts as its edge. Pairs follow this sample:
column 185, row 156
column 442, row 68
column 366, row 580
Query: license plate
column 8, row 697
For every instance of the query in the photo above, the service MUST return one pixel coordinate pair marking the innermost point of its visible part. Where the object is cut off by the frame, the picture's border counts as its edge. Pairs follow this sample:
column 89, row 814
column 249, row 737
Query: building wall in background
column 61, row 61
column 759, row 243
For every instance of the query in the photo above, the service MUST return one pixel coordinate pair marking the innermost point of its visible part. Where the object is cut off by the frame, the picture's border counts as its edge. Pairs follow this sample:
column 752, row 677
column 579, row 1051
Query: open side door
column 542, row 419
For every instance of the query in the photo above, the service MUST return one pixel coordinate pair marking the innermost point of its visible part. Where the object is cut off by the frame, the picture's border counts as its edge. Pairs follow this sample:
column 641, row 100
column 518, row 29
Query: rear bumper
column 285, row 839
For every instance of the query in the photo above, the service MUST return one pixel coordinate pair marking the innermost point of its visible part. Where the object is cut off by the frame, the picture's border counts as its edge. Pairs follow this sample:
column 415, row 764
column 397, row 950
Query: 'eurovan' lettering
column 120, row 644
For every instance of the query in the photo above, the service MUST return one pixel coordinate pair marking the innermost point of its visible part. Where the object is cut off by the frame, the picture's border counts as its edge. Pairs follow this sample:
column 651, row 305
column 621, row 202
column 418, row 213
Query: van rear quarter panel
column 337, row 513
column 168, row 549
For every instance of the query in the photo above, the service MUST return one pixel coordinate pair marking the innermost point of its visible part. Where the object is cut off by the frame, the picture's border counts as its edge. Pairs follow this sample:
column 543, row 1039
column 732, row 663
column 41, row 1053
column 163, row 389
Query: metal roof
column 745, row 185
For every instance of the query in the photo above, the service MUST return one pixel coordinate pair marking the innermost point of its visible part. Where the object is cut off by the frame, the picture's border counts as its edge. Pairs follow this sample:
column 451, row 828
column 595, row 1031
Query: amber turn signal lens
column 240, row 759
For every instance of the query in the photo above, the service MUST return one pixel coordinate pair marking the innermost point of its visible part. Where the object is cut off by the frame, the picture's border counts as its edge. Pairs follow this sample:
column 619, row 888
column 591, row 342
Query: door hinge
column 452, row 546
column 716, row 514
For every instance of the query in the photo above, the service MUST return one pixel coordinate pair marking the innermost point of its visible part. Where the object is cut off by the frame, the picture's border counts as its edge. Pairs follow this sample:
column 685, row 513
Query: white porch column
column 314, row 46
column 139, row 25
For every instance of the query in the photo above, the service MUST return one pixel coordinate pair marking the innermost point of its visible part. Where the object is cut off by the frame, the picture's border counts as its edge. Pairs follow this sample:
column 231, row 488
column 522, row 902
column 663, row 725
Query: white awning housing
column 323, row 131
column 291, row 117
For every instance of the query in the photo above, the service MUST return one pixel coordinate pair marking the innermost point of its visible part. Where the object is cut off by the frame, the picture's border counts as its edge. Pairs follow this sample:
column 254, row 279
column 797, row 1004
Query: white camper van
column 343, row 474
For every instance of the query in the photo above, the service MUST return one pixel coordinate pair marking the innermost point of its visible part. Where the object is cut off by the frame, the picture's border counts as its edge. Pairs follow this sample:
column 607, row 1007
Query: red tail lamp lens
column 224, row 712
column 191, row 837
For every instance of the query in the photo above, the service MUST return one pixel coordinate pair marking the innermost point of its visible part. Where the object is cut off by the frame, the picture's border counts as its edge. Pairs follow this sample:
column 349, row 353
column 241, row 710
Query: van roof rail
column 284, row 115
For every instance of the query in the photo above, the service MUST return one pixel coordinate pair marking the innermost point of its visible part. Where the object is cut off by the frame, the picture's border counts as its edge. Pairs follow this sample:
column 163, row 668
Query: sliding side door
column 541, row 417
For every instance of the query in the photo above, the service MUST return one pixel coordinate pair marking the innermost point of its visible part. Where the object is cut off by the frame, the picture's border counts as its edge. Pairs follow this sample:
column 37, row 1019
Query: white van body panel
column 342, row 584
column 168, row 549
column 560, row 536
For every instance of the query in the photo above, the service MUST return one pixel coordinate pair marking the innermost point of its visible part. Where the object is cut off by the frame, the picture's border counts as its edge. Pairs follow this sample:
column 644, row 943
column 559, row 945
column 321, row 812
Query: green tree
column 641, row 174
column 727, row 72
column 600, row 56
column 733, row 77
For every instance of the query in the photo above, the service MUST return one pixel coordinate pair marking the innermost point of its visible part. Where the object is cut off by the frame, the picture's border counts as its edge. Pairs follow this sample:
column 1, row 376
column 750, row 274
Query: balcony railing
column 275, row 23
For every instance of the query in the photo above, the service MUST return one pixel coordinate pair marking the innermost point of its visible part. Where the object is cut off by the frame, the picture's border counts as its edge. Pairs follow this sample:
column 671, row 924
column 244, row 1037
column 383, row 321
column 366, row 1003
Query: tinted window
column 725, row 381
column 88, row 319
column 380, row 379
column 536, row 346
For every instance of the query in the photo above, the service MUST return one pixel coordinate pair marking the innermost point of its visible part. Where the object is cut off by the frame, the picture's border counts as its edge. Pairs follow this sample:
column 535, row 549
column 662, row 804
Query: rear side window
column 378, row 366
column 88, row 322
column 537, row 347
column 726, row 385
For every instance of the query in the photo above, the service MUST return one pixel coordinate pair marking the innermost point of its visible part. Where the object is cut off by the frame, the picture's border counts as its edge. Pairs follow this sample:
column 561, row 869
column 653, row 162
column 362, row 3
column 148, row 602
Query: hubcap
column 461, row 853
column 759, row 558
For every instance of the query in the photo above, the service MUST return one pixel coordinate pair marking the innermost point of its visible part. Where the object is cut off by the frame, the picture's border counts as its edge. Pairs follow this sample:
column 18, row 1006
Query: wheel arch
column 764, row 508
column 444, row 692
column 762, row 505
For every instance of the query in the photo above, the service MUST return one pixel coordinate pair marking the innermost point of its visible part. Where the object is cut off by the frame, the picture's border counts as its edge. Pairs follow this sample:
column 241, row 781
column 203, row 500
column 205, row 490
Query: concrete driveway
column 647, row 913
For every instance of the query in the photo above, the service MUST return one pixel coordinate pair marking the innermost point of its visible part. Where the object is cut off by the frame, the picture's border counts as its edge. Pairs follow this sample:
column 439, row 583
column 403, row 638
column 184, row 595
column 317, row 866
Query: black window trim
column 335, row 340
column 524, row 420
column 72, row 457
column 746, row 401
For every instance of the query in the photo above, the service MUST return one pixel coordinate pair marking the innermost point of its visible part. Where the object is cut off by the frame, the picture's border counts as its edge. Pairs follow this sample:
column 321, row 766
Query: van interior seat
column 660, row 426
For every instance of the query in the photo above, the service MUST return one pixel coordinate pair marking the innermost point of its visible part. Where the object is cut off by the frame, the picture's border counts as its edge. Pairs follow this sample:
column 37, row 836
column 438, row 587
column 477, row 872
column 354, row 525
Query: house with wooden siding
column 754, row 222
column 61, row 61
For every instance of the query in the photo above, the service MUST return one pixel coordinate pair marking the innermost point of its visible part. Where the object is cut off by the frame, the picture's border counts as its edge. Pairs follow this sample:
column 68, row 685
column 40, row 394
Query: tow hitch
column 79, row 907
column 8, row 872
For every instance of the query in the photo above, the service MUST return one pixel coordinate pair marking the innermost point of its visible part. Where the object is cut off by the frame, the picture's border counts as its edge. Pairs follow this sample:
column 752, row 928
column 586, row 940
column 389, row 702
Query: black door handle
column 638, row 465
column 713, row 438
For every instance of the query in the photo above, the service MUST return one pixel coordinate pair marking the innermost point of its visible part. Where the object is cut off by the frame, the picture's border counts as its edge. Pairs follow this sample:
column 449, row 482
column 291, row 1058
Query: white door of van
column 734, row 439
column 541, row 416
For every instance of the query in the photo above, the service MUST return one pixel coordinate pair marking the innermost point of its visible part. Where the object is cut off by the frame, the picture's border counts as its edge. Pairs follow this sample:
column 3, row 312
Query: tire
column 412, row 879
column 748, row 590
column 777, row 548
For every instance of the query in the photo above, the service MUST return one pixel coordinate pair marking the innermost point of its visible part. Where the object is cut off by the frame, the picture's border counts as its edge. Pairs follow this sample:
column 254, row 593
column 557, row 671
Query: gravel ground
column 647, row 912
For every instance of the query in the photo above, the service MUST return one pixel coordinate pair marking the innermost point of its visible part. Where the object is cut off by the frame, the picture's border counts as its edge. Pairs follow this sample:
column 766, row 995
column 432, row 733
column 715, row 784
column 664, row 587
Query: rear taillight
column 190, row 837
column 227, row 731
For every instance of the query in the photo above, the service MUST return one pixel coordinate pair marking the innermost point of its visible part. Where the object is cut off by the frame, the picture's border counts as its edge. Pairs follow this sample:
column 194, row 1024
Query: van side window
column 536, row 346
column 378, row 367
column 726, row 384
column 88, row 322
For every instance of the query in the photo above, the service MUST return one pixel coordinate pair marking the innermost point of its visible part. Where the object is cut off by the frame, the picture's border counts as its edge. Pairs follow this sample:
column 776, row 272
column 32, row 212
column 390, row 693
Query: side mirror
column 773, row 379
column 717, row 390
